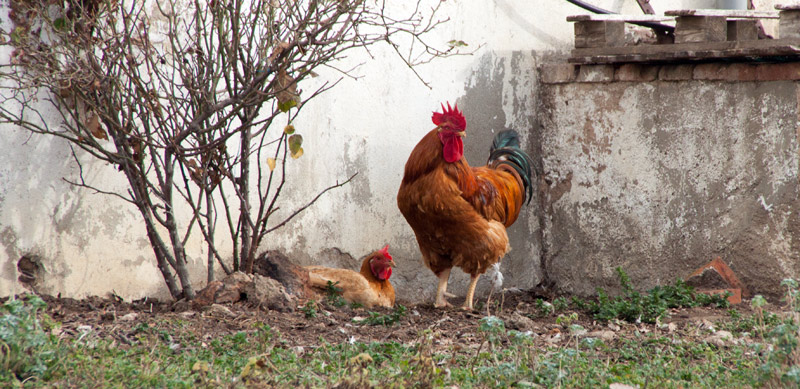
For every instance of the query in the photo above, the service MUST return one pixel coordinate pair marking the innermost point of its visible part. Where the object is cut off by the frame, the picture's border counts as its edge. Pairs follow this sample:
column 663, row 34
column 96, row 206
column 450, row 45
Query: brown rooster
column 370, row 287
column 459, row 213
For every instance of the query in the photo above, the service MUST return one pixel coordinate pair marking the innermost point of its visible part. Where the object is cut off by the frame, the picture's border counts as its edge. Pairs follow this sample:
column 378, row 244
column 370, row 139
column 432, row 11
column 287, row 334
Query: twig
column 295, row 213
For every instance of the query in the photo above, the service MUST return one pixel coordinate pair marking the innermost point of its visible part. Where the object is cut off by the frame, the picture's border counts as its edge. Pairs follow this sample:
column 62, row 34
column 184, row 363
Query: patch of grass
column 333, row 295
column 167, row 354
column 543, row 308
column 309, row 309
column 388, row 319
column 635, row 307
column 27, row 348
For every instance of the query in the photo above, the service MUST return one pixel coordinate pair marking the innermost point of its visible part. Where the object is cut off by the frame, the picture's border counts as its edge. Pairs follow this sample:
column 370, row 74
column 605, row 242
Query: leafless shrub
column 185, row 98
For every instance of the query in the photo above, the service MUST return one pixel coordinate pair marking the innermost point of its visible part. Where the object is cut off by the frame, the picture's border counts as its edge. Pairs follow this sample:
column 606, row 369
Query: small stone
column 604, row 335
column 129, row 317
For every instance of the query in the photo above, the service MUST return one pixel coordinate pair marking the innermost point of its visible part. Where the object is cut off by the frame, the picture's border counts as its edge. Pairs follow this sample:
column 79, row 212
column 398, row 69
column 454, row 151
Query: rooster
column 460, row 213
column 370, row 287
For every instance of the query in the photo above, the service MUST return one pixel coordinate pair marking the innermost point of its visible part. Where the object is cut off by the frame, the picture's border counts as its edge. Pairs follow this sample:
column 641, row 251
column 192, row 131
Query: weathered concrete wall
column 89, row 244
column 92, row 244
column 670, row 169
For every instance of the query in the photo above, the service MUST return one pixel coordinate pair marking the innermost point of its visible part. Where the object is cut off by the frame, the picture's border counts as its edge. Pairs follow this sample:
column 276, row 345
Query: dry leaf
column 278, row 50
column 287, row 91
column 271, row 163
column 93, row 125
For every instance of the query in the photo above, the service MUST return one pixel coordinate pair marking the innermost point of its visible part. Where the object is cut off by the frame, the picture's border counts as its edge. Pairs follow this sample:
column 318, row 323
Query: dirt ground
column 117, row 319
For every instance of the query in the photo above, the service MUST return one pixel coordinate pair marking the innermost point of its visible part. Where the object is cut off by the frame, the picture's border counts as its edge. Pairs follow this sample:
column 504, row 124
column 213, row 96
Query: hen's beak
column 391, row 263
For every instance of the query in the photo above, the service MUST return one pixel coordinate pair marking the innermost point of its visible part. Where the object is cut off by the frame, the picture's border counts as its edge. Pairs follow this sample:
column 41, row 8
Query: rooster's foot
column 442, row 304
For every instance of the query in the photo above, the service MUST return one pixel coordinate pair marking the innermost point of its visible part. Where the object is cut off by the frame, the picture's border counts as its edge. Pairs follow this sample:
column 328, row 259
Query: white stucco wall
column 92, row 244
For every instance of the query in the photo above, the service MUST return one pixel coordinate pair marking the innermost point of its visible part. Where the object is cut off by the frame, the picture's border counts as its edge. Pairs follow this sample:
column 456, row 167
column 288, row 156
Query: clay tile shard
column 717, row 277
column 707, row 277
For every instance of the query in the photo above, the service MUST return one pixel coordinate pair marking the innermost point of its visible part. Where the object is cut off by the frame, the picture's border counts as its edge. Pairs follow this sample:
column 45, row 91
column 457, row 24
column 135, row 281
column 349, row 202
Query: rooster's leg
column 471, row 292
column 442, row 289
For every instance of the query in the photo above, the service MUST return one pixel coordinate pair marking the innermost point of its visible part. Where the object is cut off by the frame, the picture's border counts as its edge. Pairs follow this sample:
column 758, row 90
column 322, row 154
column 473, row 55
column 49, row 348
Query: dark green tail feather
column 506, row 145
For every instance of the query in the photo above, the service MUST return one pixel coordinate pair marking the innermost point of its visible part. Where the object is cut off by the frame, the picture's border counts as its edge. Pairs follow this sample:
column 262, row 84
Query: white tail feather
column 497, row 277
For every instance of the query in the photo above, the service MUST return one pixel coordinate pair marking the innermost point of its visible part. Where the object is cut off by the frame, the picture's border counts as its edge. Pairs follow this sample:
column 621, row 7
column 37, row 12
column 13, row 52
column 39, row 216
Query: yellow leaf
column 361, row 359
column 201, row 366
column 271, row 163
column 289, row 129
column 298, row 153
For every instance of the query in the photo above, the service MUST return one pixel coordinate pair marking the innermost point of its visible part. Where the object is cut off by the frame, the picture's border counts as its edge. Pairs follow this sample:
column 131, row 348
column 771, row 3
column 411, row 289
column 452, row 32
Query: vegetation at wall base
column 746, row 346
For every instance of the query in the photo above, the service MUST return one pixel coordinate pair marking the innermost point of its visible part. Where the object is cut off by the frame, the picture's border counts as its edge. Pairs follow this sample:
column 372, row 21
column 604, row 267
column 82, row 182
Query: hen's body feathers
column 356, row 287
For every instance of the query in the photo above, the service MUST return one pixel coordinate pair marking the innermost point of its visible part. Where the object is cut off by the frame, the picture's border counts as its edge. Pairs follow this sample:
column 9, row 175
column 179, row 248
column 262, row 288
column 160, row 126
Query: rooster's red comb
column 450, row 117
column 385, row 252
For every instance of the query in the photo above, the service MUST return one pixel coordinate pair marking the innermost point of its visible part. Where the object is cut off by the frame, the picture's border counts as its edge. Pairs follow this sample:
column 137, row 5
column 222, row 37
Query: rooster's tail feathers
column 506, row 150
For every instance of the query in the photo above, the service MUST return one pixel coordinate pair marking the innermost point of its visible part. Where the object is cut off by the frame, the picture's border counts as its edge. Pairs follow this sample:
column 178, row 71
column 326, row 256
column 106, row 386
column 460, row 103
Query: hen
column 370, row 287
column 459, row 213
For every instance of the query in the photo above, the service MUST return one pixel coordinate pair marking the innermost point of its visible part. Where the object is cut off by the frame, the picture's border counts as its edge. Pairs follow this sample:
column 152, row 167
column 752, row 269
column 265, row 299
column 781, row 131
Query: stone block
column 557, row 73
column 789, row 24
column 742, row 30
column 710, row 72
column 689, row 29
column 676, row 72
column 599, row 34
column 778, row 71
column 636, row 73
column 596, row 73
column 740, row 72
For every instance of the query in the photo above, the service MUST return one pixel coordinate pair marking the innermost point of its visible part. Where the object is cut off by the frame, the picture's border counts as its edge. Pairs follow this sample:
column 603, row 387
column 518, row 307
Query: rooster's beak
column 391, row 263
column 462, row 134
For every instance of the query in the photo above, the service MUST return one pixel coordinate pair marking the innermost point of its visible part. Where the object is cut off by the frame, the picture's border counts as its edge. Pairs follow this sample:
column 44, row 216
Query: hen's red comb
column 450, row 117
column 385, row 252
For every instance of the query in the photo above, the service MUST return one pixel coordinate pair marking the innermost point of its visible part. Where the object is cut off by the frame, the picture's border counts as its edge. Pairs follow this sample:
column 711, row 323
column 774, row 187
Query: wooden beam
column 691, row 52
column 619, row 18
column 730, row 13
column 646, row 7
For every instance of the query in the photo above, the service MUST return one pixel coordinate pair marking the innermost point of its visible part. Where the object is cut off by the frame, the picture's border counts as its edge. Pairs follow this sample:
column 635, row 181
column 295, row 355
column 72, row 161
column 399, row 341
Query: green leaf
column 285, row 106
column 296, row 145
column 60, row 24
column 457, row 43
column 288, row 130
column 17, row 35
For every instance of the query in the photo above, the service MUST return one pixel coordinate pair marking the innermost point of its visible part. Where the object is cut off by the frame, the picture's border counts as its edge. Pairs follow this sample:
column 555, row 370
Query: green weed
column 309, row 309
column 633, row 306
column 375, row 318
column 27, row 349
column 333, row 294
